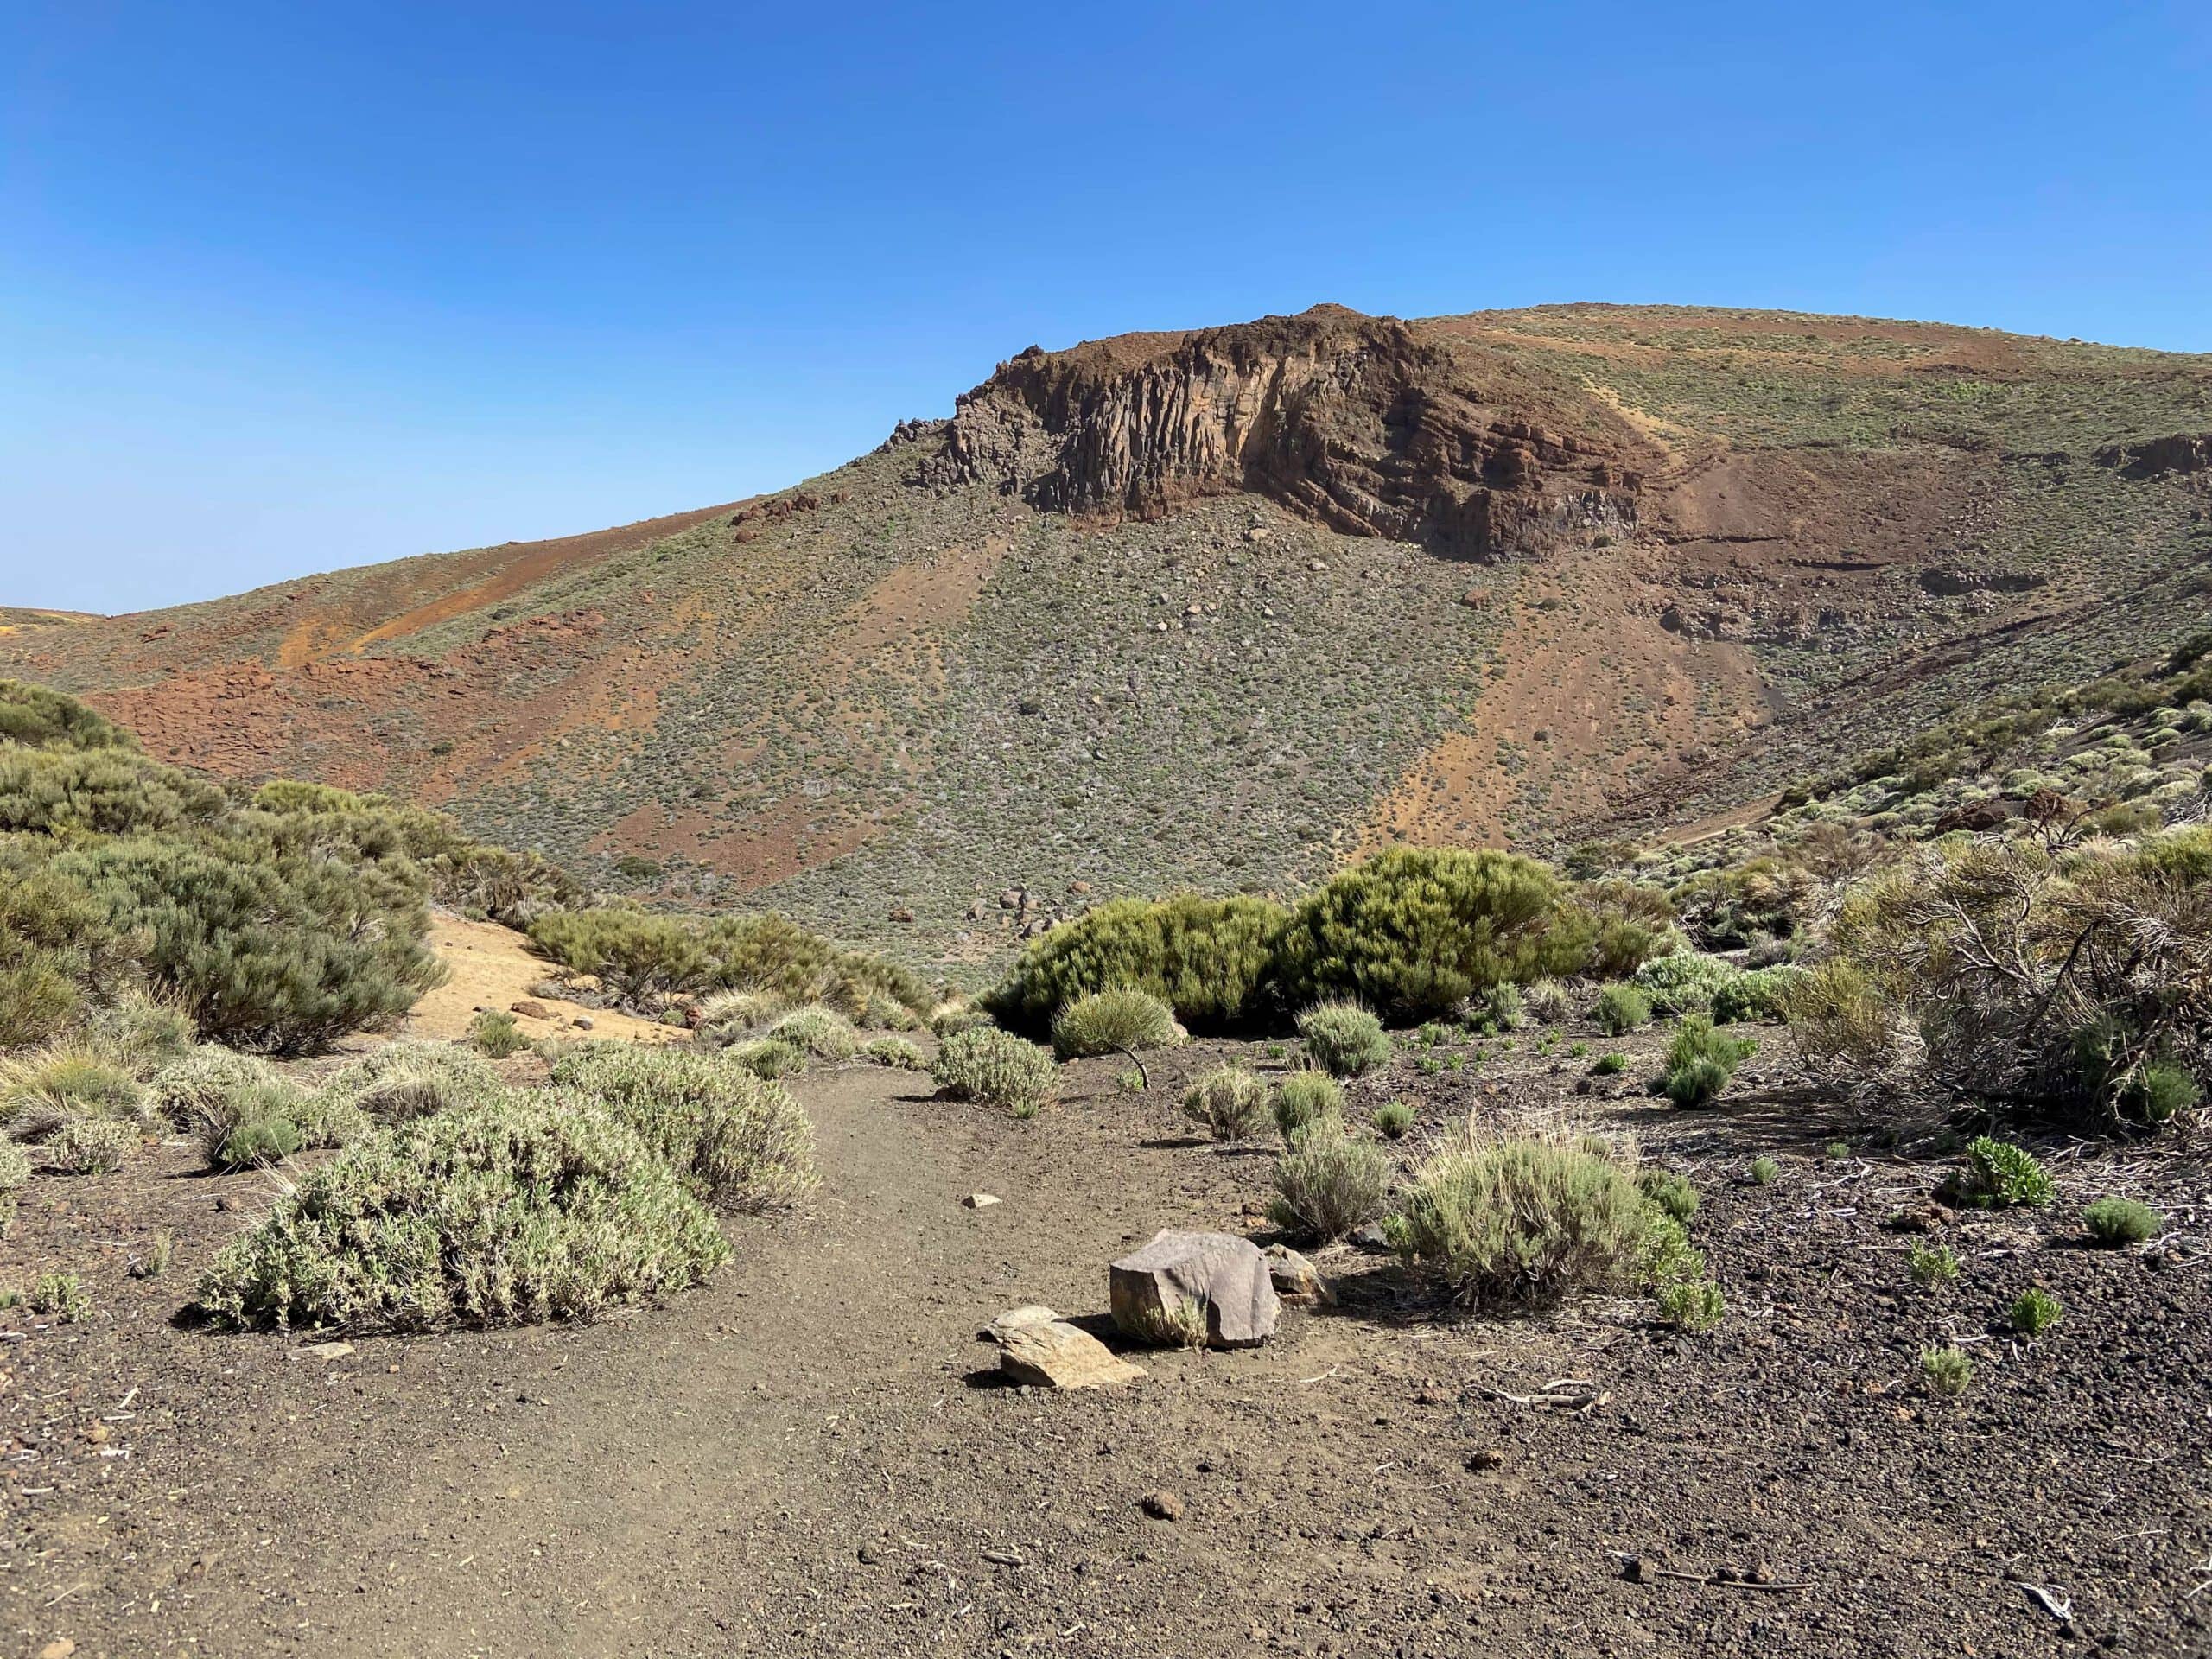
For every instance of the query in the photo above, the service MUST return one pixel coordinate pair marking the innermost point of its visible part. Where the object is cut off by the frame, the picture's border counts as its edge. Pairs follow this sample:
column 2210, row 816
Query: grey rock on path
column 1225, row 1275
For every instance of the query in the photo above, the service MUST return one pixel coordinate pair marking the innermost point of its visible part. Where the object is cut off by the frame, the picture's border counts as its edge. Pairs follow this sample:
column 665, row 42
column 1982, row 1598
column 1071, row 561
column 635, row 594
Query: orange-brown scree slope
column 1217, row 608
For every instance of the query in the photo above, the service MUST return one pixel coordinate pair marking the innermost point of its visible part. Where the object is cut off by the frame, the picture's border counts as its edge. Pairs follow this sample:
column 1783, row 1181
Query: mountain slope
column 1216, row 607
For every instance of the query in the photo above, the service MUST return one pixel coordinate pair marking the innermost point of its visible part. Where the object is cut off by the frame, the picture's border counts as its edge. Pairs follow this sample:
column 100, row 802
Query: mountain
column 1217, row 608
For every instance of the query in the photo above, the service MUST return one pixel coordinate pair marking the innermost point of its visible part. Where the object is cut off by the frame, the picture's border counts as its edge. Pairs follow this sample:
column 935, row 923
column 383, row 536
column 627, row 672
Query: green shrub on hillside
column 1114, row 1021
column 91, row 1146
column 531, row 1206
column 1229, row 1102
column 1328, row 1185
column 1392, row 1119
column 1343, row 1040
column 728, row 1017
column 1998, row 1175
column 2113, row 1222
column 1208, row 959
column 1415, row 931
column 821, row 1032
column 741, row 1141
column 1762, row 994
column 1683, row 982
column 400, row 1081
column 99, row 792
column 40, row 719
column 895, row 1052
column 1305, row 1099
column 767, row 1057
column 60, row 950
column 1622, row 1009
column 1701, row 1061
column 41, row 1089
column 1628, row 923
column 997, row 1068
column 493, row 1033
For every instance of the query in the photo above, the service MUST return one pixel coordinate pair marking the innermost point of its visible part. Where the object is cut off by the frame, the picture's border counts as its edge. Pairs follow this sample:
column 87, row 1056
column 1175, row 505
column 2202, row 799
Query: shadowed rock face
column 1357, row 422
column 2160, row 457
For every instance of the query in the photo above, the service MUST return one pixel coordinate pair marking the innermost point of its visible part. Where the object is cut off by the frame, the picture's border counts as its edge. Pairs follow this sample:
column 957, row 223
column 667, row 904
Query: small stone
column 1371, row 1237
column 583, row 1022
column 980, row 1200
column 530, row 1009
column 60, row 1647
column 870, row 1555
column 327, row 1350
column 1316, row 565
column 1487, row 1458
column 1163, row 1506
column 1296, row 1280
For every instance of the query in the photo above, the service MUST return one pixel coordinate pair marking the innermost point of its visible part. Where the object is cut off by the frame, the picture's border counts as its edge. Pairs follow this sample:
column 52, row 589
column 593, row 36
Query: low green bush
column 767, row 1057
column 1693, row 1304
column 2114, row 1222
column 1328, row 1185
column 1114, row 1021
column 1622, row 1009
column 1671, row 1192
column 996, row 1068
column 2034, row 1312
column 1208, row 960
column 61, row 1296
column 821, row 1032
column 91, row 1146
column 494, row 1035
column 1947, row 1372
column 1549, row 1001
column 896, row 1053
column 731, row 1017
column 69, row 1079
column 1392, row 1119
column 1683, row 982
column 1998, row 1175
column 531, row 1206
column 1609, row 1065
column 1761, row 994
column 138, row 1033
column 1765, row 1172
column 259, row 1125
column 1701, row 1061
column 1933, row 1266
column 1343, row 1040
column 1229, row 1102
column 409, row 1079
column 1307, row 1097
column 741, row 1141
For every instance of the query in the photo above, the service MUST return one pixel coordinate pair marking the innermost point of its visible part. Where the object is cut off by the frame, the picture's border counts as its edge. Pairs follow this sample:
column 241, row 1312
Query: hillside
column 1218, row 608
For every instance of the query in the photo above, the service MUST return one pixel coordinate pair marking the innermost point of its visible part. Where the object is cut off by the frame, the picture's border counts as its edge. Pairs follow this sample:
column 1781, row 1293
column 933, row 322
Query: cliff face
column 1358, row 423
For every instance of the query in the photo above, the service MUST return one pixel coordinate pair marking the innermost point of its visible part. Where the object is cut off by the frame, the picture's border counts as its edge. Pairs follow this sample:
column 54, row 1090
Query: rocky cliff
column 1355, row 423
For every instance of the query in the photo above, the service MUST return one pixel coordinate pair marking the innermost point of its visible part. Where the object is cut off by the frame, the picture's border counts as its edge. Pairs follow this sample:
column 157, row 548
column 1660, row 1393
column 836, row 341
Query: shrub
column 1629, row 922
column 997, row 1068
column 161, row 1249
column 1933, row 1265
column 192, row 1090
column 1764, row 1171
column 1528, row 1220
column 38, row 718
column 1549, row 1000
column 61, row 1296
column 896, row 1053
column 741, row 1141
column 1946, row 1371
column 1305, row 1099
column 1114, row 1021
column 1763, row 994
column 59, row 949
column 67, row 1079
column 531, row 1206
column 821, row 1032
column 1701, row 1061
column 949, row 1018
column 1228, row 1102
column 283, row 953
column 767, row 1057
column 729, row 1017
column 258, row 1127
column 1693, row 1304
column 1416, row 930
column 1683, row 982
column 1343, row 1039
column 412, row 1080
column 1672, row 1192
column 91, row 1146
column 2034, row 1312
column 14, row 1175
column 1609, row 1065
column 1392, row 1119
column 1208, row 959
column 1622, row 1009
column 1327, row 1185
column 1498, row 1010
column 493, row 1033
column 139, row 1032
column 1998, row 1175
column 2116, row 1221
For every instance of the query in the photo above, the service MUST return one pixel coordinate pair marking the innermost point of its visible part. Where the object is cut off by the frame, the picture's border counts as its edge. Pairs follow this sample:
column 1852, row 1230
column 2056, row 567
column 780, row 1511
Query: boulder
column 1296, row 1280
column 1222, row 1273
column 530, row 1009
column 1053, row 1354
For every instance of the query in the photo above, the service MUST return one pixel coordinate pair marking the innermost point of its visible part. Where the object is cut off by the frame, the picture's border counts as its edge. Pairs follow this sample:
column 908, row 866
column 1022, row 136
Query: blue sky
column 288, row 288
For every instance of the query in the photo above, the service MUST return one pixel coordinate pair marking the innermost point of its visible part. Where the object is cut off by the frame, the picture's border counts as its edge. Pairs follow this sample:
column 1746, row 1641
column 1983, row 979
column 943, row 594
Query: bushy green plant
column 1547, row 1000
column 260, row 1130
column 1998, row 1175
column 1528, row 1220
column 39, row 718
column 1328, row 1185
column 1947, row 1372
column 1609, row 1065
column 729, row 1017
column 2114, row 1222
column 1701, row 1061
column 138, row 1033
column 1229, row 1102
column 91, row 1146
column 996, row 1068
column 1343, row 1039
column 1693, row 1304
column 821, row 1032
column 14, row 1175
column 1933, row 1265
column 1392, row 1119
column 531, row 1206
column 1117, row 1020
column 1765, row 1172
column 741, row 1140
column 2035, row 1312
column 896, row 1053
column 1622, row 1009
column 1671, row 1192
column 1683, row 982
column 60, row 950
column 1498, row 1009
column 1208, row 959
column 61, row 1296
column 1416, row 930
column 767, row 1057
column 67, row 1079
column 1307, row 1097
column 493, row 1033
column 1762, row 993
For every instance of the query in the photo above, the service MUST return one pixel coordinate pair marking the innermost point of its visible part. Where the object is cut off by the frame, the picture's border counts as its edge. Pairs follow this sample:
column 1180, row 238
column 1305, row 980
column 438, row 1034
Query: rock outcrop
column 2183, row 452
column 1354, row 422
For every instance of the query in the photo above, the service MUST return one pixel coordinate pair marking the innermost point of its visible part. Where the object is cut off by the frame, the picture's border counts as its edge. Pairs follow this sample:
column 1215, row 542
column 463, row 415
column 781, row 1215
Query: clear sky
column 290, row 287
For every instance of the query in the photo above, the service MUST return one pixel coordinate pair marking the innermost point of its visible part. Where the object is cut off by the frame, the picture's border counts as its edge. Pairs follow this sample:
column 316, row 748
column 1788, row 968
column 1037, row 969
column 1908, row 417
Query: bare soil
column 814, row 1454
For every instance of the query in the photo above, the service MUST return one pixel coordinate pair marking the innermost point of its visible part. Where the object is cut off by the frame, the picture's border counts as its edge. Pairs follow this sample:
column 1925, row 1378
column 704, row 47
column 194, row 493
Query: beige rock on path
column 1053, row 1354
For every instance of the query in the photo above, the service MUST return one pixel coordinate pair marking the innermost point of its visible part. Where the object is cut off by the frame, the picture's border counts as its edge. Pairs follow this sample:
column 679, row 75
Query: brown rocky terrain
column 1294, row 586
